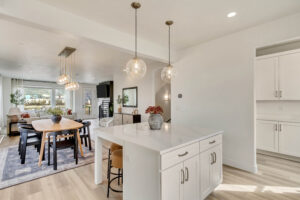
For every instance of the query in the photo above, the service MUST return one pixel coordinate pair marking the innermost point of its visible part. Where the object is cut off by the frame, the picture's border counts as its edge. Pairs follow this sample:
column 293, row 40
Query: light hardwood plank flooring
column 277, row 179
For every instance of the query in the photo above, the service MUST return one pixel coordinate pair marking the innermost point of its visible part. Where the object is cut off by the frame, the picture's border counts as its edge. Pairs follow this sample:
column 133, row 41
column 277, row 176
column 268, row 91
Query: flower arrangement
column 154, row 110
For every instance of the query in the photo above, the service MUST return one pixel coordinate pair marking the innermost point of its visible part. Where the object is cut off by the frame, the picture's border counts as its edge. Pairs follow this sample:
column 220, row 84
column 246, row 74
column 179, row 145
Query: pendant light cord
column 169, row 45
column 135, row 33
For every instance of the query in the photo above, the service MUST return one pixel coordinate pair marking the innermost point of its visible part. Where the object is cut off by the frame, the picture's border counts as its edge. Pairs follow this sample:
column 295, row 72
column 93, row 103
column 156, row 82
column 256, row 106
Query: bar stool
column 112, row 148
column 115, row 162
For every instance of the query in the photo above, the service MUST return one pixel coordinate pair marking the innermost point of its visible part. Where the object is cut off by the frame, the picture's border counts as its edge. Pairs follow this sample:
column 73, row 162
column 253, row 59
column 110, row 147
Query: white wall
column 216, row 79
column 6, row 91
column 146, row 90
column 161, row 89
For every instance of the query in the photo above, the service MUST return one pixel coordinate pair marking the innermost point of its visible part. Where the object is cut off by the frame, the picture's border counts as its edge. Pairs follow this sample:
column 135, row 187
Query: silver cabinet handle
column 215, row 157
column 212, row 142
column 184, row 154
column 280, row 127
column 182, row 176
column 276, row 93
column 275, row 127
column 187, row 174
column 212, row 158
column 280, row 93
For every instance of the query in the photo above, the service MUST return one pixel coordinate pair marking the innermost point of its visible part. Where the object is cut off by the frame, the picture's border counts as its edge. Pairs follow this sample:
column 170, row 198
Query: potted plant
column 56, row 114
column 155, row 119
column 16, row 98
column 123, row 100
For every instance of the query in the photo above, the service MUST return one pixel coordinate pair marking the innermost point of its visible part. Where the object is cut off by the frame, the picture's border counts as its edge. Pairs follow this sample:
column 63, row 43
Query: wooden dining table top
column 46, row 125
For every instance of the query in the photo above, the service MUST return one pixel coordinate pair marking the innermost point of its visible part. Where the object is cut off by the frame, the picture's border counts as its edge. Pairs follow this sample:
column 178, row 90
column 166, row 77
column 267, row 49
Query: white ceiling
column 31, row 53
column 196, row 21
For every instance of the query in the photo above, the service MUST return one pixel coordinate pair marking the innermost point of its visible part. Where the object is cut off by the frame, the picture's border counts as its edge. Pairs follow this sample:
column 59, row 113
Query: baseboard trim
column 242, row 166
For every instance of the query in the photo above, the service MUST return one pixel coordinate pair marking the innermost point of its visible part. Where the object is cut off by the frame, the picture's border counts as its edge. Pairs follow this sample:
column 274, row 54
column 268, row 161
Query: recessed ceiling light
column 231, row 14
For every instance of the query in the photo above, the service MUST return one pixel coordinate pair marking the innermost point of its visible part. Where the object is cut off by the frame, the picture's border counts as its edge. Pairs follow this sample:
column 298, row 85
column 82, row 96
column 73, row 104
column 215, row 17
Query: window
column 37, row 98
column 60, row 98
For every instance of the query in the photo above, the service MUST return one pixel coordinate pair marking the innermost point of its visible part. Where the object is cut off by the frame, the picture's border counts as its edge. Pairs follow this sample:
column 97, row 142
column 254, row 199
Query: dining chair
column 62, row 140
column 28, row 137
column 115, row 162
column 85, row 134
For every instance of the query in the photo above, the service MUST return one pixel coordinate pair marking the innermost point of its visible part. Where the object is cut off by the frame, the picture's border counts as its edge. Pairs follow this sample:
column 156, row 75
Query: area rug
column 12, row 172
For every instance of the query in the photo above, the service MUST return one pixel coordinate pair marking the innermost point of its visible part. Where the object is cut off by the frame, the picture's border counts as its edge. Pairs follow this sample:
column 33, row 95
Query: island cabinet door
column 191, row 178
column 216, row 167
column 206, row 160
column 172, row 180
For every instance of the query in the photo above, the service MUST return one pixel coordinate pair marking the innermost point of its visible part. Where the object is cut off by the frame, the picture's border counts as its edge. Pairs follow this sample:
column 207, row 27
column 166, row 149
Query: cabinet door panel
column 266, row 78
column 266, row 135
column 191, row 183
column 289, row 139
column 289, row 73
column 216, row 167
column 205, row 173
column 171, row 183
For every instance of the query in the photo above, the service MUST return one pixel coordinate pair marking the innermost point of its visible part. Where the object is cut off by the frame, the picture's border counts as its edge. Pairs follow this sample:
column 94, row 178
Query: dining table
column 47, row 126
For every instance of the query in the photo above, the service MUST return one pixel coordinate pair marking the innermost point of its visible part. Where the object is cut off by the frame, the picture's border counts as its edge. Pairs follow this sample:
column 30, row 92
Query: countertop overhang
column 170, row 136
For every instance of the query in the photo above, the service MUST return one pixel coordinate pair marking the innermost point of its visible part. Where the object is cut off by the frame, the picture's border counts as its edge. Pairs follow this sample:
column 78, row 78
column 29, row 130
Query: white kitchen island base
column 175, row 163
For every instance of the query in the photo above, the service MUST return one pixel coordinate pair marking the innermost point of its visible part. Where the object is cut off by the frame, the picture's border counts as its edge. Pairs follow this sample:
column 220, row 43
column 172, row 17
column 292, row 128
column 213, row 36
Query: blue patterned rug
column 12, row 172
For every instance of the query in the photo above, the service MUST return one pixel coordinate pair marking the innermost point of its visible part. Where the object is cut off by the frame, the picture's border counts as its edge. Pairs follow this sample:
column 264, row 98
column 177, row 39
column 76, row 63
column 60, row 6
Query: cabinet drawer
column 171, row 158
column 210, row 142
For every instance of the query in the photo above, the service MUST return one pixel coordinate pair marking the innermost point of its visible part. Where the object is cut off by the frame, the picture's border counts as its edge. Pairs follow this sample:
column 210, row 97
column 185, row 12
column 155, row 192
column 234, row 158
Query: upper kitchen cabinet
column 277, row 76
column 289, row 73
column 266, row 79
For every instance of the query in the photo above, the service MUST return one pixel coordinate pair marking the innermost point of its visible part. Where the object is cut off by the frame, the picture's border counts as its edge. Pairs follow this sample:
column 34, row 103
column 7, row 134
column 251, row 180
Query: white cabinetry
column 277, row 76
column 210, row 170
column 279, row 137
column 267, row 135
column 266, row 79
column 289, row 73
column 289, row 138
column 192, row 172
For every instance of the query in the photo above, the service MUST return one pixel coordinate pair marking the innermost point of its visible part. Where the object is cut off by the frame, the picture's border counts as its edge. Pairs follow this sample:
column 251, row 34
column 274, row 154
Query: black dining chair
column 62, row 140
column 85, row 134
column 28, row 137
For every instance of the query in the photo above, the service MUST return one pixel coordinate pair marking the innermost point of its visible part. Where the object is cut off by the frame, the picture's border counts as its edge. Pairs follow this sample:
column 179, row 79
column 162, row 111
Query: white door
column 216, row 167
column 267, row 135
column 191, row 179
column 206, row 160
column 266, row 79
column 289, row 139
column 289, row 73
column 172, row 181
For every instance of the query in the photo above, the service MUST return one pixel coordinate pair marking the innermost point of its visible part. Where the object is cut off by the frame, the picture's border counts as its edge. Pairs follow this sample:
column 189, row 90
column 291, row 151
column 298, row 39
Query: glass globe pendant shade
column 72, row 86
column 63, row 79
column 136, row 68
column 168, row 73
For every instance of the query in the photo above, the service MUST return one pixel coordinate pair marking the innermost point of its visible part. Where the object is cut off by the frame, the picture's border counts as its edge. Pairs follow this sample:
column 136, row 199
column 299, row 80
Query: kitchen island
column 174, row 163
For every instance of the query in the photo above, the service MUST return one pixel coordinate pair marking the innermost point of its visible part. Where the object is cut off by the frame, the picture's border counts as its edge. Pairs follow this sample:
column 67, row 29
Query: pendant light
column 168, row 72
column 136, row 68
column 63, row 77
column 72, row 85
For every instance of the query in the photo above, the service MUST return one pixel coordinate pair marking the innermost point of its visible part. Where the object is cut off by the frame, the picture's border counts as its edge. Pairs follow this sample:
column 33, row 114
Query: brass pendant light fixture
column 168, row 72
column 65, row 77
column 72, row 85
column 136, row 68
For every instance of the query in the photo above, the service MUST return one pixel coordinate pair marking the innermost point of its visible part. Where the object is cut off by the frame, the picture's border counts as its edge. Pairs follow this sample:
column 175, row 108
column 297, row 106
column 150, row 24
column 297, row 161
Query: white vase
column 155, row 121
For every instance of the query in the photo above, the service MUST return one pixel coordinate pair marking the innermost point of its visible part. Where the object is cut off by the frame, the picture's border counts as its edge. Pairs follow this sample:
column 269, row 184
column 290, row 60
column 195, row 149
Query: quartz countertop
column 168, row 138
column 277, row 117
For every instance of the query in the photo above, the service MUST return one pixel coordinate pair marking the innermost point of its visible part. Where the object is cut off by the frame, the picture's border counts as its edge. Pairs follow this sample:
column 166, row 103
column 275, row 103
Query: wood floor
column 277, row 179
